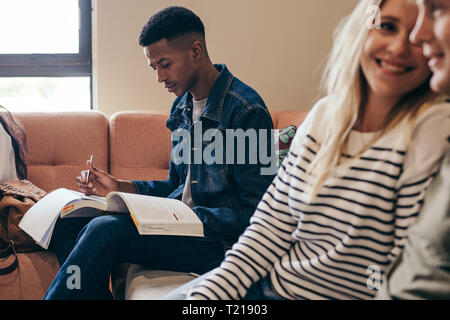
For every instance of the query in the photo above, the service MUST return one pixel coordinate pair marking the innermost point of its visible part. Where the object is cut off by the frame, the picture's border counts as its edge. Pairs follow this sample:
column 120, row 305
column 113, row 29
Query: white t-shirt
column 198, row 107
column 7, row 159
column 196, row 113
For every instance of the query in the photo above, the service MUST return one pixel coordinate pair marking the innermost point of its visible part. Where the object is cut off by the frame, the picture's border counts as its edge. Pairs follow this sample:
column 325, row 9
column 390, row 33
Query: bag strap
column 5, row 253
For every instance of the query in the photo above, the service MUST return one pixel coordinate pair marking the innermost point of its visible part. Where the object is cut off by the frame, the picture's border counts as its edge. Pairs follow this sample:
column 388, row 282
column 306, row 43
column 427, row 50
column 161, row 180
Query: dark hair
column 171, row 23
column 18, row 139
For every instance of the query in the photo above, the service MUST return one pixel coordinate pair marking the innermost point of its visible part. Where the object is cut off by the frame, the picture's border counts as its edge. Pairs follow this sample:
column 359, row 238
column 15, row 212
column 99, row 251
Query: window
column 45, row 55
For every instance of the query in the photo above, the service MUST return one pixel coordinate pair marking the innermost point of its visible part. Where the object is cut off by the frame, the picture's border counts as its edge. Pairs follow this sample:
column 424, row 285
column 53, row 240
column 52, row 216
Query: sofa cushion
column 139, row 145
column 146, row 284
column 60, row 143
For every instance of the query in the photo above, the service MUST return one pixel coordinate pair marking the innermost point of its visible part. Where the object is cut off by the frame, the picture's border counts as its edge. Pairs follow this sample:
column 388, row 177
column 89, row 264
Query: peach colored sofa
column 129, row 145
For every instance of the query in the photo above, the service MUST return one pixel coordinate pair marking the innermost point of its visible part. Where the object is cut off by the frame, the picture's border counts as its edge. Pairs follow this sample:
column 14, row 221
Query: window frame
column 56, row 65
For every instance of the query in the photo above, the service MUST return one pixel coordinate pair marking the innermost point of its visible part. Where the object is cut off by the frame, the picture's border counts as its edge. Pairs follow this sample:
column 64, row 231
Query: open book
column 151, row 215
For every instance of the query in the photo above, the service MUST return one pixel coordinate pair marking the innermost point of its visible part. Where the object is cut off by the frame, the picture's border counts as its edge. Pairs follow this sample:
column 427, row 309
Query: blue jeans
column 106, row 241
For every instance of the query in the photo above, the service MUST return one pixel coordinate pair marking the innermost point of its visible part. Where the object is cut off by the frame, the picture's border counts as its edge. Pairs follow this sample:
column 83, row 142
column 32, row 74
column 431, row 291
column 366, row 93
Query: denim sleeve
column 161, row 188
column 250, row 181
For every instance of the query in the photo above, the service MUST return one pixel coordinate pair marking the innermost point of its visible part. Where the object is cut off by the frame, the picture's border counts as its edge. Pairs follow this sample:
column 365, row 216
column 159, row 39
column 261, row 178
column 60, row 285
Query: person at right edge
column 422, row 271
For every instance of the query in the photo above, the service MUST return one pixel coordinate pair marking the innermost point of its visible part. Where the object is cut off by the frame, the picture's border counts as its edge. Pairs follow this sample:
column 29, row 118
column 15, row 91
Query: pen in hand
column 87, row 175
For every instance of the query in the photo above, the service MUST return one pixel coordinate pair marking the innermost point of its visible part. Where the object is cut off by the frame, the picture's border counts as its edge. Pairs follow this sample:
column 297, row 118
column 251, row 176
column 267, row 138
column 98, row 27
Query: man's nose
column 161, row 76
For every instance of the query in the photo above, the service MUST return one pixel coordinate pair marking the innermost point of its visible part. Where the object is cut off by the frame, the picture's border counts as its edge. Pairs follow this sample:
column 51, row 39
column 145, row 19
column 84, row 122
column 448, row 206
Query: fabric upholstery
column 60, row 143
column 144, row 284
column 283, row 119
column 140, row 145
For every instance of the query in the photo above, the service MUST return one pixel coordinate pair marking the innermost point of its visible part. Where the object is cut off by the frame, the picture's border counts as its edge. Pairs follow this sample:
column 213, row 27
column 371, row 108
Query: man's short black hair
column 171, row 23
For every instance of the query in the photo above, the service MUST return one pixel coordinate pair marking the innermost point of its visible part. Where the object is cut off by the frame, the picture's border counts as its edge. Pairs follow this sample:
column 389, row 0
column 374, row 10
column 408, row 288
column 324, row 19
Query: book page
column 115, row 203
column 40, row 219
column 95, row 198
column 152, row 211
column 84, row 206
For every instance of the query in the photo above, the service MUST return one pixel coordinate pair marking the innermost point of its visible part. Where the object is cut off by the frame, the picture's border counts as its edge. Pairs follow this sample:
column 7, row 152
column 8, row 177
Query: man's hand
column 100, row 183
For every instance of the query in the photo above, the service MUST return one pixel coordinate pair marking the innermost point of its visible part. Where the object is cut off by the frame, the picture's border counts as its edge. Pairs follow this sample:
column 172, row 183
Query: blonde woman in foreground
column 337, row 213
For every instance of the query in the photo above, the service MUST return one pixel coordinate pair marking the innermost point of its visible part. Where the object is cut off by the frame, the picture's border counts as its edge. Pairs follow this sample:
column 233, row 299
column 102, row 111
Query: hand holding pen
column 89, row 171
column 99, row 183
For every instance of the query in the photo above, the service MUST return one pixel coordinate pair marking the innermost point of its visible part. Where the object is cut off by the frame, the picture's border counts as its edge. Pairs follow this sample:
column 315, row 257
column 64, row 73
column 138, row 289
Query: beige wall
column 278, row 47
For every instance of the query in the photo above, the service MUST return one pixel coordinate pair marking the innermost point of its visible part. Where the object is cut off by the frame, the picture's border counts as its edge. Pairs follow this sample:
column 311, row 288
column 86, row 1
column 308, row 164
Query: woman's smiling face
column 391, row 64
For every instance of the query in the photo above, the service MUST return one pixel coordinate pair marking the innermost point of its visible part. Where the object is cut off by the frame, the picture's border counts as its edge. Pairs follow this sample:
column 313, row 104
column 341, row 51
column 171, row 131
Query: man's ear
column 197, row 50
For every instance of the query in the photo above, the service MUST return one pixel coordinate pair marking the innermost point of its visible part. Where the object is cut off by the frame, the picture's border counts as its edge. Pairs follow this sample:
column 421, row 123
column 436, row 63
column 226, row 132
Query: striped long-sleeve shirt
column 330, row 248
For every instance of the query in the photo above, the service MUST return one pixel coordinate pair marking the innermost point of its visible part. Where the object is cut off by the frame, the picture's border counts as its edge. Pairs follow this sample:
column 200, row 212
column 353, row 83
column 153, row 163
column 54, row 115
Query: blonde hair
column 345, row 84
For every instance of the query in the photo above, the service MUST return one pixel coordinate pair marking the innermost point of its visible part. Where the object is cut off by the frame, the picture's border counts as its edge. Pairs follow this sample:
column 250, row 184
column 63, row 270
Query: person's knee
column 106, row 227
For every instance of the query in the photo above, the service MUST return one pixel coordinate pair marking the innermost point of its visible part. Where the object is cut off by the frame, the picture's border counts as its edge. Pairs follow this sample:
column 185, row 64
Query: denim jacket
column 225, row 192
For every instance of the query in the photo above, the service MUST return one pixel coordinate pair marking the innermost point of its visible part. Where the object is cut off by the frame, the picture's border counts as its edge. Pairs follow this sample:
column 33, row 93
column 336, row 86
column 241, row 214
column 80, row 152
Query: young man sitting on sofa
column 224, row 194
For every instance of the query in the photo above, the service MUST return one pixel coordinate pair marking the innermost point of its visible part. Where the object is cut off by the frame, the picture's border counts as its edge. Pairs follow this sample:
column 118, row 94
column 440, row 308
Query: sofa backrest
column 282, row 119
column 60, row 143
column 139, row 145
column 129, row 145
column 140, row 142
